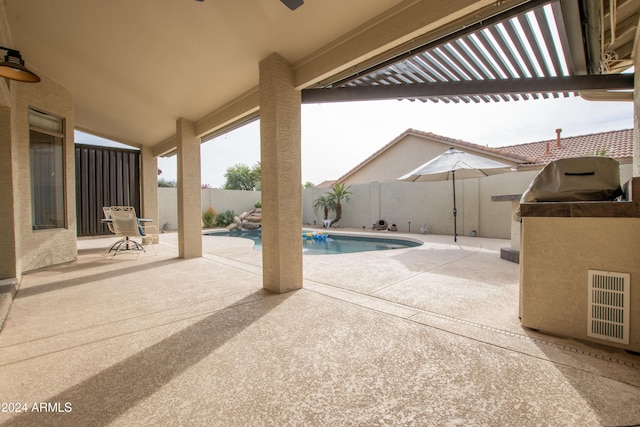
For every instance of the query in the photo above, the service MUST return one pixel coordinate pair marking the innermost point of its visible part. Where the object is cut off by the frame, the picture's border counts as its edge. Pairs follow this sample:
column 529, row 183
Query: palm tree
column 326, row 203
column 339, row 192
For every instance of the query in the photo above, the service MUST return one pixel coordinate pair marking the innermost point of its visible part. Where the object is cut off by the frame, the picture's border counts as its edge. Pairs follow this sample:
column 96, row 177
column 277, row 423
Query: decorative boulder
column 250, row 220
column 250, row 225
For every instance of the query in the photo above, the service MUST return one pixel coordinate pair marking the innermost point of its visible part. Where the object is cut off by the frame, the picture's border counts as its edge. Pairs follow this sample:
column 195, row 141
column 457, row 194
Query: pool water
column 334, row 244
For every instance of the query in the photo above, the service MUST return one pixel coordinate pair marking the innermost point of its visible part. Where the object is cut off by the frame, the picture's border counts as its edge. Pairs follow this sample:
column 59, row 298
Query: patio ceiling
column 532, row 51
column 135, row 67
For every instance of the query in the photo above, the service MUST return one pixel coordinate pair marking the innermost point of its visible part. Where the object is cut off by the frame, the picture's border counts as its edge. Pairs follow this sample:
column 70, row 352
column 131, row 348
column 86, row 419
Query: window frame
column 58, row 167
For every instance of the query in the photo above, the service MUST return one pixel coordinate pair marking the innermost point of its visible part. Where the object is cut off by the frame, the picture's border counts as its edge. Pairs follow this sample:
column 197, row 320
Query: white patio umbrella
column 454, row 164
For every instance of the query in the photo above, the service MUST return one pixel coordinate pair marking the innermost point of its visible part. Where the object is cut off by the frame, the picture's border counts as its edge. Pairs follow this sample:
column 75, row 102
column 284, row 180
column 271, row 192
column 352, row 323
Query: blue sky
column 336, row 137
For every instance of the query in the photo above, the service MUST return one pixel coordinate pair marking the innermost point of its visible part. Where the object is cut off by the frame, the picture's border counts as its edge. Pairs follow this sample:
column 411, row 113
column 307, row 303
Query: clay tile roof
column 617, row 144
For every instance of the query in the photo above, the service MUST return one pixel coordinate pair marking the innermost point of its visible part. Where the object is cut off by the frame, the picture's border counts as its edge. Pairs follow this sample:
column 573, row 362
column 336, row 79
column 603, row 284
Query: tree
column 257, row 175
column 164, row 183
column 339, row 192
column 308, row 184
column 324, row 202
column 242, row 177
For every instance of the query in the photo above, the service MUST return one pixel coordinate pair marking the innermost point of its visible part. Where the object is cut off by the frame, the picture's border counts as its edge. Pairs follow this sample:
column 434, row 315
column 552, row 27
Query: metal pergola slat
column 507, row 58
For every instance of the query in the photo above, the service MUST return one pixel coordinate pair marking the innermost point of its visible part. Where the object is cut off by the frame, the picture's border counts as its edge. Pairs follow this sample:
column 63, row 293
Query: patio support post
column 636, row 119
column 9, row 249
column 189, row 199
column 280, row 135
column 149, row 186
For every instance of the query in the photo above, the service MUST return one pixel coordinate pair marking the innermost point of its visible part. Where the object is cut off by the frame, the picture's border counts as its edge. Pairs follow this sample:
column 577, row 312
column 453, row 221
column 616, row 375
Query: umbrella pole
column 455, row 212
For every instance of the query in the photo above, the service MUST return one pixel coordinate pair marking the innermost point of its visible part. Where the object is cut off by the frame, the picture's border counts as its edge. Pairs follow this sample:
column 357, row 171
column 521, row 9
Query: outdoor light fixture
column 12, row 67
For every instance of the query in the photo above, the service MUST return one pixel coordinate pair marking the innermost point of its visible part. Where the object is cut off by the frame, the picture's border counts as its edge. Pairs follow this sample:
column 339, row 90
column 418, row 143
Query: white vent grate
column 609, row 306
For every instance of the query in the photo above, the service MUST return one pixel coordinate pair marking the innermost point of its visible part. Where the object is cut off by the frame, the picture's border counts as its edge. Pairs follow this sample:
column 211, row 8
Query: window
column 46, row 149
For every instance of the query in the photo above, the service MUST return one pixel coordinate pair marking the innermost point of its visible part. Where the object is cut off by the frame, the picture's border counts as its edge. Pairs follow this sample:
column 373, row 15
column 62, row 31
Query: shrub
column 258, row 205
column 225, row 218
column 209, row 218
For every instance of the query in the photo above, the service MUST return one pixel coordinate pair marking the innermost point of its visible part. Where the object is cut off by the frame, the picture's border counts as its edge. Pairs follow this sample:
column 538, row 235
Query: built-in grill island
column 580, row 268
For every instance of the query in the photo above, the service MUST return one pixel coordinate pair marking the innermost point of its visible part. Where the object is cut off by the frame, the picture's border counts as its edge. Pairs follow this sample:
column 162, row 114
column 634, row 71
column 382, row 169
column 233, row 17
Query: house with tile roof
column 378, row 195
column 413, row 147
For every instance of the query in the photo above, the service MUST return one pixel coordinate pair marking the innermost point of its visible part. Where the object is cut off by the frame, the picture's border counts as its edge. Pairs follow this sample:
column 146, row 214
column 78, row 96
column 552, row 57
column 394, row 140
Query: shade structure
column 454, row 164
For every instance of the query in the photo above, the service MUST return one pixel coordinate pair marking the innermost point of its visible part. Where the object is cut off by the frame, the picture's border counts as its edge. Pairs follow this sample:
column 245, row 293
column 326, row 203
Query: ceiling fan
column 291, row 4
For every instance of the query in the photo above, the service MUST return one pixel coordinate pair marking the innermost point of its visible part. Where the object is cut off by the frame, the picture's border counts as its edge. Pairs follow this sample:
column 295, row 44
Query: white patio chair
column 150, row 236
column 106, row 210
column 126, row 225
column 107, row 215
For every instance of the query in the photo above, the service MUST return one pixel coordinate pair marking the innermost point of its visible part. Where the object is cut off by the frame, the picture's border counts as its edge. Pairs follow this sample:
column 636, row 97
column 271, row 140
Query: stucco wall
column 420, row 204
column 496, row 217
column 41, row 248
column 220, row 200
column 431, row 204
column 555, row 258
column 8, row 235
column 411, row 206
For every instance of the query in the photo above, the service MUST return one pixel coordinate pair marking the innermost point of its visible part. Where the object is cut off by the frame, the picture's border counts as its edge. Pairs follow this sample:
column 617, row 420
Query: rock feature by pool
column 250, row 220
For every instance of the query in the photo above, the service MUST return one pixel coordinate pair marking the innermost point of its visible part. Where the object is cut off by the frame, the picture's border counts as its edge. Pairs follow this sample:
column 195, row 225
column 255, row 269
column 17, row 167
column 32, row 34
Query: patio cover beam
column 470, row 88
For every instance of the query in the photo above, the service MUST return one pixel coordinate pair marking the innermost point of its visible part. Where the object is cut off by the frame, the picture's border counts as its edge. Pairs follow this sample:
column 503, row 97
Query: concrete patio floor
column 421, row 336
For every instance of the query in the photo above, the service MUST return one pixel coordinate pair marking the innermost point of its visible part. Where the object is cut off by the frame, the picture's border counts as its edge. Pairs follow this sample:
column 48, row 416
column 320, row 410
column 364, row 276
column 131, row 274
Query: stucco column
column 189, row 201
column 636, row 118
column 280, row 115
column 149, row 173
column 8, row 249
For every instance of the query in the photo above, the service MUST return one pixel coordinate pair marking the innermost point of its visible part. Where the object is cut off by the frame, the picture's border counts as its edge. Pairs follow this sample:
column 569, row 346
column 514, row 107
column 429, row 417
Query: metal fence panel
column 104, row 177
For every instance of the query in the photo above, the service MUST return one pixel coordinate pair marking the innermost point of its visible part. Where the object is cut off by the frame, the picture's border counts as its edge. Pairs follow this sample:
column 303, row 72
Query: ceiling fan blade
column 292, row 4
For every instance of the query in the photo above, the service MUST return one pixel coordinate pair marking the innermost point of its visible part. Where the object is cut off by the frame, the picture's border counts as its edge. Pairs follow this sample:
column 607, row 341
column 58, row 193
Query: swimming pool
column 334, row 243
